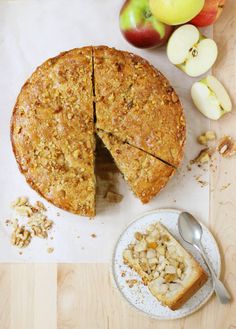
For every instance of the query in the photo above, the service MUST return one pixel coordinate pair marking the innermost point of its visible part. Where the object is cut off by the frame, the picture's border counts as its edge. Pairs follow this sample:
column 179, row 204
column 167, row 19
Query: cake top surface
column 53, row 131
column 135, row 102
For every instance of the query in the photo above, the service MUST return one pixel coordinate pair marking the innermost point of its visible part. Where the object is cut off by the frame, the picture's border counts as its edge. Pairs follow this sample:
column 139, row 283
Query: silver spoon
column 191, row 232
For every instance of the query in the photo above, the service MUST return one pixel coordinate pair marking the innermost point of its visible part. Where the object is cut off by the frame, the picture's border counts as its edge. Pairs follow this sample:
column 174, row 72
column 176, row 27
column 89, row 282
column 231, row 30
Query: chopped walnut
column 227, row 147
column 208, row 136
column 113, row 197
column 20, row 237
column 37, row 222
column 203, row 157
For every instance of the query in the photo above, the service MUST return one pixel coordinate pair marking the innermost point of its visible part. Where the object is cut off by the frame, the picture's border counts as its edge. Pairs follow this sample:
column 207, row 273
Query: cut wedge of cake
column 145, row 174
column 136, row 103
column 52, row 131
column 170, row 272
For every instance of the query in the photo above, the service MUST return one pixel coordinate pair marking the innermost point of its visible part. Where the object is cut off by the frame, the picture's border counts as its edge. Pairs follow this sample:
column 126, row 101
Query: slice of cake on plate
column 170, row 272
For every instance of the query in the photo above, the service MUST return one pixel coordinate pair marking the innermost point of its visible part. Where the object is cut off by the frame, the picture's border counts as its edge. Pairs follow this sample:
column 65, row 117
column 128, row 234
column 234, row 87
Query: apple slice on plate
column 211, row 98
column 192, row 52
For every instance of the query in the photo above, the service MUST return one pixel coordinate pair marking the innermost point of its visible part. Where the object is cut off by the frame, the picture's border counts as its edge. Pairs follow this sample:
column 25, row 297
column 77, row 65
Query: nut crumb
column 50, row 250
column 224, row 187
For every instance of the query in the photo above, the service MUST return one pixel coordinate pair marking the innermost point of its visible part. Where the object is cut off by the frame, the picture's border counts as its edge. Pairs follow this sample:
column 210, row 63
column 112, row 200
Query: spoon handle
column 220, row 290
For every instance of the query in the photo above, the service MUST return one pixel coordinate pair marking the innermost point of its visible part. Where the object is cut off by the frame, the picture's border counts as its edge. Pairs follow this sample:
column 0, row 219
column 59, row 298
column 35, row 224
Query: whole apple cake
column 68, row 98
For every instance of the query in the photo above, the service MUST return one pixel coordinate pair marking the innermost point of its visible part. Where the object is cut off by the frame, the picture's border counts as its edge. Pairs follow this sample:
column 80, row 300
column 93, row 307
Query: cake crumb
column 93, row 235
column 131, row 282
column 113, row 197
column 224, row 187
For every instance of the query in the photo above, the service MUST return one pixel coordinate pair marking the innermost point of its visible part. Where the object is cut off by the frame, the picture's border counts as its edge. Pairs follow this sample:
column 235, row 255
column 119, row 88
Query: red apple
column 209, row 14
column 140, row 27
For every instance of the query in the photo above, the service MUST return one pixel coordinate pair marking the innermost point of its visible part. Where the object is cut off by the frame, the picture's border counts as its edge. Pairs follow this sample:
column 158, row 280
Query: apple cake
column 68, row 97
column 145, row 174
column 53, row 131
column 135, row 102
column 172, row 275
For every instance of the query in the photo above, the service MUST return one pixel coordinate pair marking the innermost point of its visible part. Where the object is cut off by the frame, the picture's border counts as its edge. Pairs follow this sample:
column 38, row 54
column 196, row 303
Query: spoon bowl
column 190, row 229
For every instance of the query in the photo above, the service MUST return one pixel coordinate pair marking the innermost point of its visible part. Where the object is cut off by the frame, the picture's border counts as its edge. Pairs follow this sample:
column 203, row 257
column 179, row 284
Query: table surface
column 43, row 296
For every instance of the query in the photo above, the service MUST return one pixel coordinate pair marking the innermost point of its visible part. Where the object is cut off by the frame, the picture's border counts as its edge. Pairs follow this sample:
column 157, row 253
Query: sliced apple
column 192, row 52
column 211, row 98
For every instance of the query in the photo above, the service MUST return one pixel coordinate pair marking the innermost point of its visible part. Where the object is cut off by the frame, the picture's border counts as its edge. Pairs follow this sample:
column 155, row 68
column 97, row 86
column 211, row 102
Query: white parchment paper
column 32, row 31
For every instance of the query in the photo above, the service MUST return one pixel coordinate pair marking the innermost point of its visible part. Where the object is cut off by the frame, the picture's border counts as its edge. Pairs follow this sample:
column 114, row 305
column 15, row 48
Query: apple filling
column 157, row 259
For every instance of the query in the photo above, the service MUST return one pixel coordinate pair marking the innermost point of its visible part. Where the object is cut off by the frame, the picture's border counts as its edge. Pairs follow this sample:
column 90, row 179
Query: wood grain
column 82, row 296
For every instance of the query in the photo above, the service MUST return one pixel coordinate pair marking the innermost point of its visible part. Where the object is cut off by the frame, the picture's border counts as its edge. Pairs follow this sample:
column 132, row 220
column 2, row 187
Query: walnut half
column 227, row 147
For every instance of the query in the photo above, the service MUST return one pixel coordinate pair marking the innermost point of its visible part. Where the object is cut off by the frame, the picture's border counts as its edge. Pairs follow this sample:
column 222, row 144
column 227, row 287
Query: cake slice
column 52, row 131
column 145, row 174
column 136, row 103
column 172, row 275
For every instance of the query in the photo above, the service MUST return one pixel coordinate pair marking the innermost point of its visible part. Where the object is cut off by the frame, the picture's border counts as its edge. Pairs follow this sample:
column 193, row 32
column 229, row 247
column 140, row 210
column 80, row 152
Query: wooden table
column 81, row 296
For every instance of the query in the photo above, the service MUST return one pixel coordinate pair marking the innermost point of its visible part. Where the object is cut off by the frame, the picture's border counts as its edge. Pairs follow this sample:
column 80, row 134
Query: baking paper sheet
column 32, row 31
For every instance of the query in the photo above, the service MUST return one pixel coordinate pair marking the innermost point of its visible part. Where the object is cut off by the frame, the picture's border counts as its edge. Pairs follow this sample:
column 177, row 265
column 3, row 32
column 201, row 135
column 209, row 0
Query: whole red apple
column 209, row 14
column 140, row 27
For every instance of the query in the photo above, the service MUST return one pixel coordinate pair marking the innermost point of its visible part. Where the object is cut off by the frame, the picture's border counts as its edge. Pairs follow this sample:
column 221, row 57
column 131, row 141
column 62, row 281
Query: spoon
column 191, row 232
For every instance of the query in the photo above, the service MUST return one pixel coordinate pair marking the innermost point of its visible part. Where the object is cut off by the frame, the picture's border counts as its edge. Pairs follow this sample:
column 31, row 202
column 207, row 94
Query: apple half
column 211, row 98
column 192, row 52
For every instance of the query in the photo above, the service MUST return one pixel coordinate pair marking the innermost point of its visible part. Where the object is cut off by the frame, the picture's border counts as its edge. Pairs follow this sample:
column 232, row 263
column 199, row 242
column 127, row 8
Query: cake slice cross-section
column 172, row 275
column 145, row 174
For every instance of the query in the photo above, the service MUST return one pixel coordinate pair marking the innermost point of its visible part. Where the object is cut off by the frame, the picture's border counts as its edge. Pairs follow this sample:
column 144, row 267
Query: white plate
column 139, row 295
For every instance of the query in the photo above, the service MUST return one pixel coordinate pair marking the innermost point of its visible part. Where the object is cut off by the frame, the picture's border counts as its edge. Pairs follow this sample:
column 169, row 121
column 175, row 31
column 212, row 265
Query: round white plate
column 139, row 295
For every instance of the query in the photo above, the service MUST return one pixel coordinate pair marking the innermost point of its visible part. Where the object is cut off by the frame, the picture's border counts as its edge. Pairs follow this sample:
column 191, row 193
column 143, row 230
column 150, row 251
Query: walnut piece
column 20, row 237
column 203, row 157
column 227, row 147
column 207, row 137
column 37, row 223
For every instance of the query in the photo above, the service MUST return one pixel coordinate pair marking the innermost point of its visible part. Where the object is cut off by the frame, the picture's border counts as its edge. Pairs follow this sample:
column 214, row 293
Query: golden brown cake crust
column 52, row 131
column 52, row 127
column 190, row 291
column 135, row 102
column 145, row 174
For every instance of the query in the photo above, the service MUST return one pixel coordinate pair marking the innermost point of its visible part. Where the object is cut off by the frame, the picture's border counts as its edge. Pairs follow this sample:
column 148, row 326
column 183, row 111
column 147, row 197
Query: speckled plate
column 139, row 296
